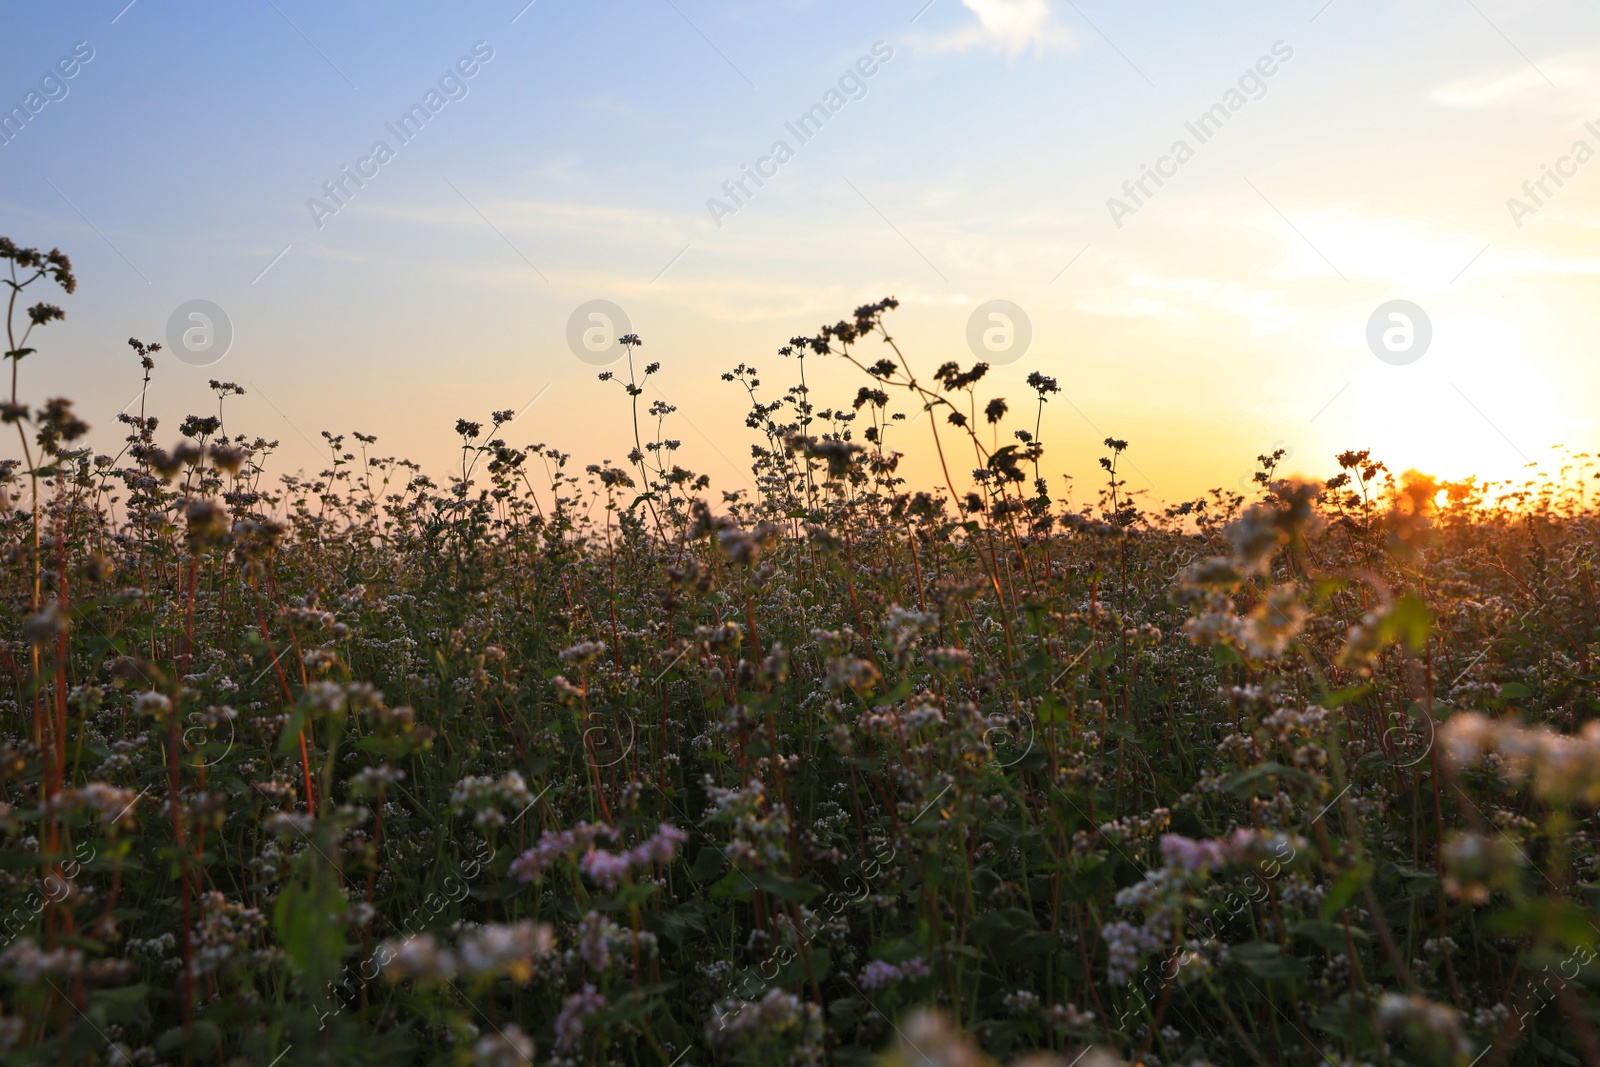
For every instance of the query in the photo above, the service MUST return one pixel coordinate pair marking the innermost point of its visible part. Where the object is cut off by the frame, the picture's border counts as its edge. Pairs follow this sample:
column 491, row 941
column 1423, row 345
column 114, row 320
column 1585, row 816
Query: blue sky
column 1225, row 316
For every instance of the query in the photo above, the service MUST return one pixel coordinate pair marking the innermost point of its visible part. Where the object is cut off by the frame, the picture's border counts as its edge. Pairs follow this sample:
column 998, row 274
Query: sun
column 1474, row 407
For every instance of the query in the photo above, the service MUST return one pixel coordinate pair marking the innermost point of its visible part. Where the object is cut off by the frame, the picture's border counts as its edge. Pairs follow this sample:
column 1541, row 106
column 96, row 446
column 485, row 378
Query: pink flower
column 605, row 868
column 1193, row 855
column 661, row 848
column 531, row 865
column 578, row 1007
column 879, row 974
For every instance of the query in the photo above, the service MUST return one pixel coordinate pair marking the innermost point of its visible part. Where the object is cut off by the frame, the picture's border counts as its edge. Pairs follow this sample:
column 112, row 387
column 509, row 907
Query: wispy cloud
column 1521, row 85
column 1009, row 26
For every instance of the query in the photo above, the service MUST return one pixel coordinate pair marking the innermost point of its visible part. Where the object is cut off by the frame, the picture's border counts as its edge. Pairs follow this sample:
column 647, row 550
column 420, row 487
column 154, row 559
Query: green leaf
column 1408, row 619
column 123, row 1005
column 1264, row 960
column 794, row 972
column 1419, row 883
column 732, row 884
column 1226, row 656
column 1548, row 920
column 635, row 1005
column 289, row 739
column 392, row 748
column 781, row 887
column 1000, row 929
column 1372, row 760
column 1284, row 967
column 707, row 864
column 1245, row 783
column 1253, row 950
column 1051, row 710
column 675, row 925
column 1344, row 889
column 1340, row 697
column 1328, row 935
column 634, row 894
column 309, row 918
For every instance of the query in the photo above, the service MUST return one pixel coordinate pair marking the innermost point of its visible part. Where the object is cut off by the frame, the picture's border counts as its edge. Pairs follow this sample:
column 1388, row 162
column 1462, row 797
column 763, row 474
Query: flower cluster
column 608, row 869
column 601, row 866
column 114, row 807
column 512, row 950
column 758, row 828
column 574, row 1010
column 226, row 927
column 556, row 845
column 489, row 799
column 1558, row 768
column 24, row 962
column 778, row 1022
column 878, row 974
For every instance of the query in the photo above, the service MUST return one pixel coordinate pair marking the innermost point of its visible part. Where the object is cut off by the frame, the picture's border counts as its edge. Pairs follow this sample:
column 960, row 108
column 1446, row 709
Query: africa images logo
column 1252, row 86
column 852, row 85
column 52, row 88
column 452, row 86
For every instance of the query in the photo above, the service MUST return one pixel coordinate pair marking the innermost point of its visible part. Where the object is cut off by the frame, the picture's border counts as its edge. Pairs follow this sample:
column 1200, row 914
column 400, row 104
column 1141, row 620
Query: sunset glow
column 985, row 156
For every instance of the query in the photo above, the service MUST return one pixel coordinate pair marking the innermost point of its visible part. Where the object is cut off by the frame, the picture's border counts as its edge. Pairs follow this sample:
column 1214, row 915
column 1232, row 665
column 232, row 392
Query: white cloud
column 1010, row 26
column 1522, row 84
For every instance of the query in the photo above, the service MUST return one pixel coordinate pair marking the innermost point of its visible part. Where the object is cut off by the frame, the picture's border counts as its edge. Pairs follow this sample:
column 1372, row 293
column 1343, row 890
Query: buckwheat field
column 565, row 763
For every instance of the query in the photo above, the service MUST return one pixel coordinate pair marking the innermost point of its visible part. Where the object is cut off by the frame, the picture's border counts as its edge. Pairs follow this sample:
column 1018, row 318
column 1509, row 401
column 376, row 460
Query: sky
column 959, row 152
